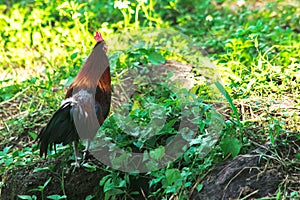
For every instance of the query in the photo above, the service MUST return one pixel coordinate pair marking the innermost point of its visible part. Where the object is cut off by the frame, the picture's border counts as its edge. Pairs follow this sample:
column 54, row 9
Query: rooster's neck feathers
column 94, row 67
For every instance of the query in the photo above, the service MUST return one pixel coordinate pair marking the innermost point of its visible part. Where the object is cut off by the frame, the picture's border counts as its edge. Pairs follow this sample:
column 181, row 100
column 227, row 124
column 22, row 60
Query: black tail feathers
column 60, row 129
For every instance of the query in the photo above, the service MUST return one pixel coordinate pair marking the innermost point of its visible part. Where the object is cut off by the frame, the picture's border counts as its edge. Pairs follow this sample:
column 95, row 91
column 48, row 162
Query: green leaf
column 231, row 146
column 295, row 194
column 9, row 161
column 5, row 150
column 90, row 197
column 155, row 181
column 228, row 98
column 187, row 184
column 152, row 165
column 33, row 135
column 56, row 197
column 38, row 188
column 252, row 28
column 109, row 185
column 113, row 192
column 74, row 55
column 33, row 197
column 89, row 168
column 157, row 153
column 46, row 183
column 121, row 160
column 41, row 169
column 171, row 189
column 199, row 187
column 172, row 175
column 156, row 58
column 122, row 183
column 104, row 179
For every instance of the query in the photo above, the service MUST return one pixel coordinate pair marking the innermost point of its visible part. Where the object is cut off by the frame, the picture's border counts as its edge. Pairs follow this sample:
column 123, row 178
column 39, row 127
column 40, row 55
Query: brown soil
column 75, row 183
column 256, row 174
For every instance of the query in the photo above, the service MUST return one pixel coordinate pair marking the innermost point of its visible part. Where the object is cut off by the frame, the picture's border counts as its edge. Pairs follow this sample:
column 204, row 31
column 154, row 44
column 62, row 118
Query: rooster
column 86, row 105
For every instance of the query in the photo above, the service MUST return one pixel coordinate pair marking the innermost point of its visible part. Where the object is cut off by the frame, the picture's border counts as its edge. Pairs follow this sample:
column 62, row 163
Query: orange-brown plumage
column 86, row 106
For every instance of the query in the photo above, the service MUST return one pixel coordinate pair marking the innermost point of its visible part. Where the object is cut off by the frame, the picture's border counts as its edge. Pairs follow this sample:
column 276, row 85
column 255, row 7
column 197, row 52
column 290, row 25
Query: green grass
column 255, row 48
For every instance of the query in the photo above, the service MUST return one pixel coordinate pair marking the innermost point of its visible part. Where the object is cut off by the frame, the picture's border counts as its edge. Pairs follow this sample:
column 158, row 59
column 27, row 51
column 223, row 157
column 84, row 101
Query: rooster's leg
column 76, row 153
column 85, row 151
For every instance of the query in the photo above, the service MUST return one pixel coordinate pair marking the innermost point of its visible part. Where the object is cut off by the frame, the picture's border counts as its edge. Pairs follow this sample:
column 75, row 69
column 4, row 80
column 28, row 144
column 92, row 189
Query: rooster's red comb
column 98, row 37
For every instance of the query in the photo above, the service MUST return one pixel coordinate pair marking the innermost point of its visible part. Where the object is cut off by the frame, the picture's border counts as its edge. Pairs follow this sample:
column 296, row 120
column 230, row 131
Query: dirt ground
column 254, row 175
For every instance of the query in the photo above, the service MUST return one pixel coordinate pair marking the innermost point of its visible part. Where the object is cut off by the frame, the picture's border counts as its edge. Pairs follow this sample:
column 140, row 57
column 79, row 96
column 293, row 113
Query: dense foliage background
column 255, row 46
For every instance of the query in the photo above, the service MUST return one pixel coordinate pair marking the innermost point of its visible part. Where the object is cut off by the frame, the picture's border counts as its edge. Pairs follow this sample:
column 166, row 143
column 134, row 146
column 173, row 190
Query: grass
column 254, row 45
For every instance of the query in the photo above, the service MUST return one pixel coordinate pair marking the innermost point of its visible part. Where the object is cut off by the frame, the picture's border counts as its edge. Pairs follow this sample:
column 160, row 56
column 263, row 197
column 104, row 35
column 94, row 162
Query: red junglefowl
column 85, row 107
